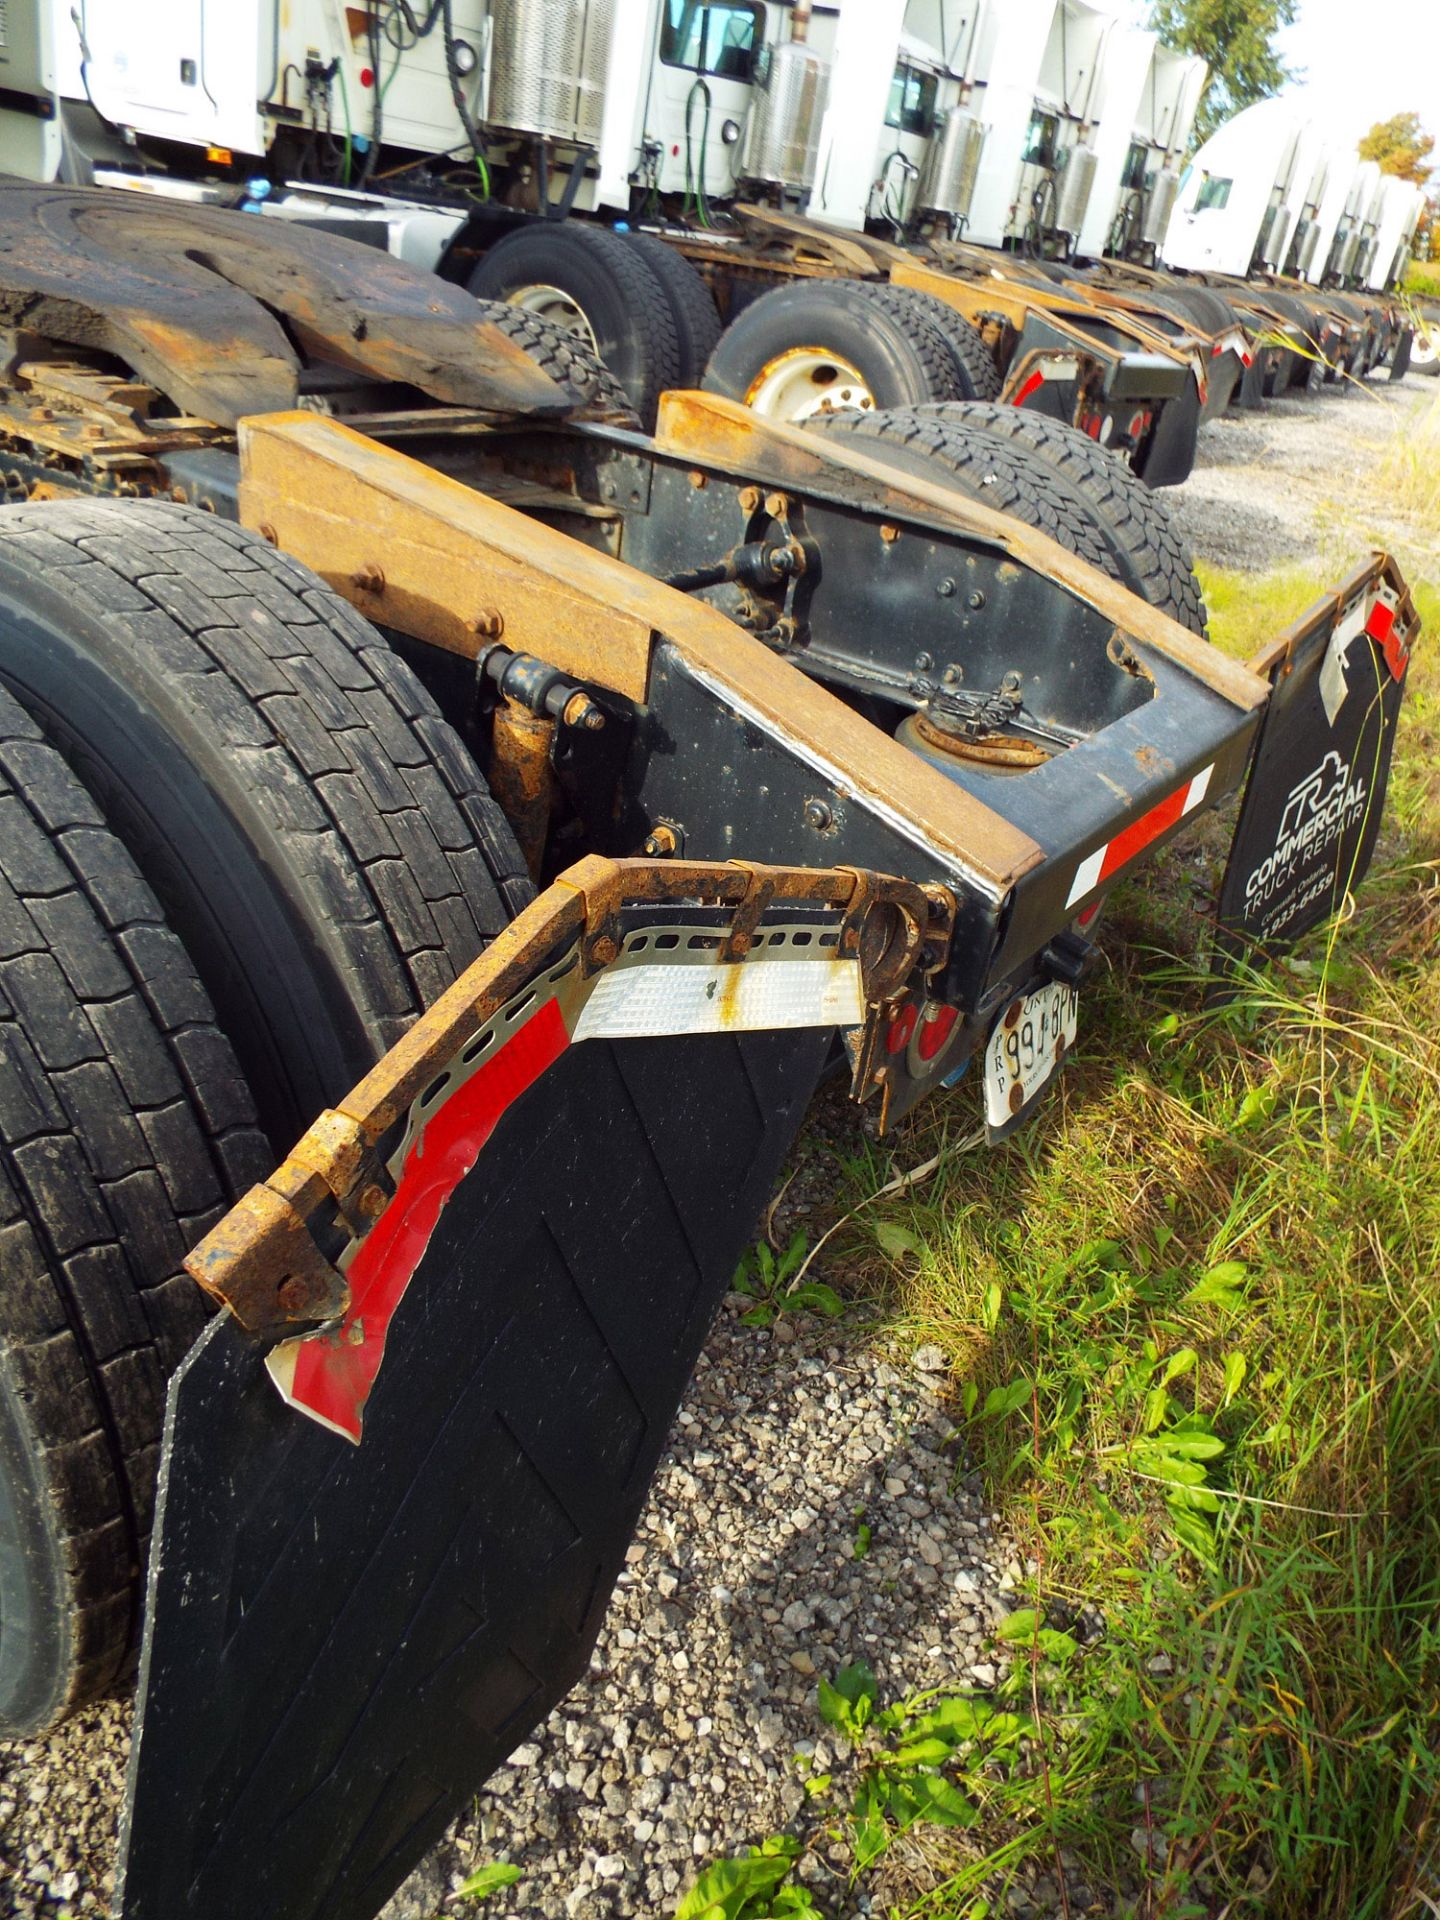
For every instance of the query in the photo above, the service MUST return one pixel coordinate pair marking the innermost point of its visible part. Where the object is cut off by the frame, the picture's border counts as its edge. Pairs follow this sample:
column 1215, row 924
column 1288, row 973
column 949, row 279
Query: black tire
column 899, row 354
column 614, row 287
column 1053, row 478
column 976, row 373
column 1425, row 347
column 319, row 838
column 569, row 362
column 125, row 1131
column 692, row 306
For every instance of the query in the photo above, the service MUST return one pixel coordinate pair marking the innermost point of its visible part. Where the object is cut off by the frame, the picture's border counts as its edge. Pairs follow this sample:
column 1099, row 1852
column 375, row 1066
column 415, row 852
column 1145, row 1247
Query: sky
column 1357, row 78
column 1393, row 66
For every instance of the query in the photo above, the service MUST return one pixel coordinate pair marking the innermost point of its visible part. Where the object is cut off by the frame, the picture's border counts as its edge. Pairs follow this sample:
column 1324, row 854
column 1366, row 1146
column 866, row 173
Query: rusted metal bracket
column 265, row 1260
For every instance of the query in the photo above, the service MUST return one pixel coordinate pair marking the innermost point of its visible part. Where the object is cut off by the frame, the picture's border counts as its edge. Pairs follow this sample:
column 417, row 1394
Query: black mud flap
column 1316, row 794
column 391, row 1512
column 344, row 1641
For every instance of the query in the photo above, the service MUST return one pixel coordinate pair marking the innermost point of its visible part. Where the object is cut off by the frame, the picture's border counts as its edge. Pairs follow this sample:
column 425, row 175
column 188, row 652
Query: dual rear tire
column 239, row 851
column 1051, row 476
column 813, row 348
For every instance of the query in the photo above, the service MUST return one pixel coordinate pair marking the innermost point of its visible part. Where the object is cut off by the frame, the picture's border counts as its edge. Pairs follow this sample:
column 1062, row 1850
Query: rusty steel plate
column 192, row 298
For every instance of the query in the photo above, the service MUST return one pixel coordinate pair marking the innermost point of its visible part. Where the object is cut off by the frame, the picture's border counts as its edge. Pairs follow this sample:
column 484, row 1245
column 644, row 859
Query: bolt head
column 976, row 601
column 818, row 815
column 946, row 588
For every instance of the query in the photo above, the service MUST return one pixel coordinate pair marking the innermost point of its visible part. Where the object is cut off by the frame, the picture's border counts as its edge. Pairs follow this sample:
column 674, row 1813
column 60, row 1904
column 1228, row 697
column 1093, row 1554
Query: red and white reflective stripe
column 1061, row 367
column 1097, row 867
column 329, row 1375
column 1381, row 628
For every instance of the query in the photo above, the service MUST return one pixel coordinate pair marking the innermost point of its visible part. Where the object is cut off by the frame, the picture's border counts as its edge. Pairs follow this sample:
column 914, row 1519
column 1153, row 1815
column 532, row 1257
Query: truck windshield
column 912, row 101
column 1214, row 192
column 712, row 36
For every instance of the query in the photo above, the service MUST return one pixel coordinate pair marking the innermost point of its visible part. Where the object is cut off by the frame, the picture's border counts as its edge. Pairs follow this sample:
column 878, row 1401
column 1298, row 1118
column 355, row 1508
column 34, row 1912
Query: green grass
column 1423, row 277
column 1201, row 1298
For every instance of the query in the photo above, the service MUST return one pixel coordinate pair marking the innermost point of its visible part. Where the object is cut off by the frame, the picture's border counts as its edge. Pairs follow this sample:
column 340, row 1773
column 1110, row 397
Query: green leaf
column 793, row 1258
column 860, row 1545
column 1164, row 1029
column 1157, row 1405
column 1165, row 1466
column 969, row 1395
column 1019, row 1627
column 815, row 1297
column 848, row 1702
column 856, row 1682
column 1258, row 1104
column 835, row 1709
column 1056, row 1646
column 1002, row 1401
column 895, row 1239
column 955, row 1718
column 867, row 1817
column 1236, row 1367
column 930, row 1751
column 1220, row 1287
column 990, row 1306
column 726, row 1889
column 487, row 1880
column 760, row 1316
column 1192, row 1530
column 1178, row 1364
column 1191, row 1446
column 932, row 1799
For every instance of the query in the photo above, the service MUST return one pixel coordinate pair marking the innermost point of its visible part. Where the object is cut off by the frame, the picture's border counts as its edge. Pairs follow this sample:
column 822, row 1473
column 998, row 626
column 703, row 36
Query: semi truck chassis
column 813, row 761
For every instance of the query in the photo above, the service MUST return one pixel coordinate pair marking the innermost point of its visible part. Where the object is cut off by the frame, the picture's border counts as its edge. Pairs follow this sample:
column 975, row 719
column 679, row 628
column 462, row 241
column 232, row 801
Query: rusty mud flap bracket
column 400, row 1471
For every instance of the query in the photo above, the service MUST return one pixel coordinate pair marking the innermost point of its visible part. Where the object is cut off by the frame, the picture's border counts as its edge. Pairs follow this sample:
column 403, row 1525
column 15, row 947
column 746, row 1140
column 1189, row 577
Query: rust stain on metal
column 188, row 296
column 521, row 776
column 706, row 425
column 332, row 493
column 262, row 1260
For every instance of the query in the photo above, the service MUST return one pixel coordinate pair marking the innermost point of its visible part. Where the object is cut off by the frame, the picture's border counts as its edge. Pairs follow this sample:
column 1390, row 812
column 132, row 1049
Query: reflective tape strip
column 1097, row 867
column 632, row 1001
column 329, row 1375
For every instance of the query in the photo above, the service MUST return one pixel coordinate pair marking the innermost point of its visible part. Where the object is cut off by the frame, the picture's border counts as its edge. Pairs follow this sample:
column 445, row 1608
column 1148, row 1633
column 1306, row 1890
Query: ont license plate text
column 1026, row 1046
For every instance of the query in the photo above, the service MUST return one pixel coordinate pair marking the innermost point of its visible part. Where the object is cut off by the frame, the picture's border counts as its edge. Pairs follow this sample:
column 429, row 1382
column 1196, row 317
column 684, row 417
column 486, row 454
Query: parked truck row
column 805, row 207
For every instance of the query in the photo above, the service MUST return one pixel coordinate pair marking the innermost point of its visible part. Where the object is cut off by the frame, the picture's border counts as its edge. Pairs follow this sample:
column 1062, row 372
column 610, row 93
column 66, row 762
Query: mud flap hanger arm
column 268, row 1261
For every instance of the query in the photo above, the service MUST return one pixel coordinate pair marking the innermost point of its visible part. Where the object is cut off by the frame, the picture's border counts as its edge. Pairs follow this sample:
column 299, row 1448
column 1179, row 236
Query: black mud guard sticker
column 1316, row 794
column 343, row 1641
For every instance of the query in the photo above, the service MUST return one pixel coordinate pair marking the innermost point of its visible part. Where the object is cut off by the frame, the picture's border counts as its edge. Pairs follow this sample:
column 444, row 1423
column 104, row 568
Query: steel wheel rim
column 1425, row 346
column 805, row 381
column 559, row 307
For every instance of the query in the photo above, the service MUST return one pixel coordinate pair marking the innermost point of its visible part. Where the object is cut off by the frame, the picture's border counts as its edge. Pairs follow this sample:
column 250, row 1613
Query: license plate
column 1026, row 1049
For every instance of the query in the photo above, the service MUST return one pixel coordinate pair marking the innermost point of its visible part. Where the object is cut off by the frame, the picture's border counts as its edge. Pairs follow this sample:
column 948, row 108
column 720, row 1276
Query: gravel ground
column 743, row 1583
column 1278, row 488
